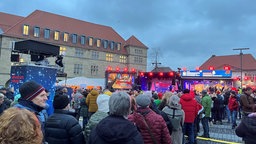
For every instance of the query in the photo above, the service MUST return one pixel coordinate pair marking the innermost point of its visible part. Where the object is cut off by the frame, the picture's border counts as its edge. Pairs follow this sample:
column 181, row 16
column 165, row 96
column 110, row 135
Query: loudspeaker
column 36, row 58
column 15, row 57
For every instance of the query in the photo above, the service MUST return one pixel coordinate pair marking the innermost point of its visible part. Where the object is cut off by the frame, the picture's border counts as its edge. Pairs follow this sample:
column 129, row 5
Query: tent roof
column 78, row 81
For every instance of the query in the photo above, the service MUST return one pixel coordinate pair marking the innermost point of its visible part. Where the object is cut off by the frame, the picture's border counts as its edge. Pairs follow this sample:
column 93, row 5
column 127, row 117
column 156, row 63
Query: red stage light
column 150, row 74
column 117, row 69
column 171, row 74
column 133, row 70
column 161, row 73
column 141, row 74
column 246, row 78
column 226, row 68
column 109, row 68
column 197, row 68
column 125, row 69
column 211, row 68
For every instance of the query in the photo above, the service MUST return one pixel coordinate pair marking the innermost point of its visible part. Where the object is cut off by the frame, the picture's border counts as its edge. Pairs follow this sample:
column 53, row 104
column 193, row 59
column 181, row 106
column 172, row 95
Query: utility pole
column 156, row 63
column 241, row 63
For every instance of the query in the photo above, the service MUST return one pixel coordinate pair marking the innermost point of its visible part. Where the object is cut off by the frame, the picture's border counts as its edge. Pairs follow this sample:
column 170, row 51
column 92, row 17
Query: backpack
column 175, row 120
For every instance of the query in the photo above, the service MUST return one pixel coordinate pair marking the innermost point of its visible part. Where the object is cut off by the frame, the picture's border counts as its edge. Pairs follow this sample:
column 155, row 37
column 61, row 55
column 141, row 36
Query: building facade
column 88, row 49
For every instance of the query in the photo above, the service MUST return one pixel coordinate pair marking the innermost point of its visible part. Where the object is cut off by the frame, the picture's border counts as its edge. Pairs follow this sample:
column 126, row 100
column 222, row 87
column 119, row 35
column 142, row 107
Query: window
column 79, row 52
column 36, row 31
column 90, row 41
column 95, row 55
column 109, row 57
column 78, row 68
column 47, row 33
column 56, row 35
column 25, row 29
column 119, row 46
column 122, row 59
column 65, row 37
column 62, row 50
column 82, row 40
column 105, row 44
column 94, row 70
column 98, row 42
column 74, row 38
column 138, row 60
column 112, row 44
column 138, row 51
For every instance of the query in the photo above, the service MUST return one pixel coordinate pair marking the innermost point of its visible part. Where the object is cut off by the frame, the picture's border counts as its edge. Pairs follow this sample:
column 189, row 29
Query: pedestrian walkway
column 223, row 134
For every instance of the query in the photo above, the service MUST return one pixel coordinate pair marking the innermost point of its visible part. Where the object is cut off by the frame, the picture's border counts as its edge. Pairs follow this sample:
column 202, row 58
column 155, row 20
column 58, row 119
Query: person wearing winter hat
column 33, row 98
column 177, row 116
column 145, row 118
column 62, row 126
column 101, row 113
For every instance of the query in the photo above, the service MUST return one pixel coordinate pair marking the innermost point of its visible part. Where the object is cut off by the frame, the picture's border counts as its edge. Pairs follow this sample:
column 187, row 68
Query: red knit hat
column 30, row 89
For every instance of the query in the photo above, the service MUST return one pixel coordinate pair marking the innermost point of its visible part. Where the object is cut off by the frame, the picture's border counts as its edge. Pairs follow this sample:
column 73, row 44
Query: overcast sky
column 185, row 33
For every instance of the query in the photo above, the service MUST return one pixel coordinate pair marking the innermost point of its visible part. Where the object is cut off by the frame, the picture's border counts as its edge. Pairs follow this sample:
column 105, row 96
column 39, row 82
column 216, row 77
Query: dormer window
column 65, row 37
column 47, row 33
column 25, row 29
column 36, row 31
column 82, row 40
column 119, row 46
column 98, row 42
column 56, row 35
column 90, row 41
column 74, row 38
column 112, row 44
column 105, row 44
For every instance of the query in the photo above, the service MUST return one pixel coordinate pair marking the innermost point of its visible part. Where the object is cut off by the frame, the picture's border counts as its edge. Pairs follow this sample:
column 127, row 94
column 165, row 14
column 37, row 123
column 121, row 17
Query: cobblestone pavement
column 223, row 134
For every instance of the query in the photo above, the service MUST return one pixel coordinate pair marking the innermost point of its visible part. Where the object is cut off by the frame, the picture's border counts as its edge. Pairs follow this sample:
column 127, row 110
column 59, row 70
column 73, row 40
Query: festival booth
column 83, row 82
column 202, row 79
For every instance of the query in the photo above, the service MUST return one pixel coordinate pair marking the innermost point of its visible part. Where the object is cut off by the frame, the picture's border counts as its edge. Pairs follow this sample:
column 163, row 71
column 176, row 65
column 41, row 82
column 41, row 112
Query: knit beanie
column 60, row 101
column 102, row 102
column 30, row 89
column 143, row 100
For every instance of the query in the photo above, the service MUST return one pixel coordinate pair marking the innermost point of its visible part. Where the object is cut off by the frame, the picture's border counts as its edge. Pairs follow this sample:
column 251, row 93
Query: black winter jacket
column 63, row 128
column 247, row 130
column 115, row 130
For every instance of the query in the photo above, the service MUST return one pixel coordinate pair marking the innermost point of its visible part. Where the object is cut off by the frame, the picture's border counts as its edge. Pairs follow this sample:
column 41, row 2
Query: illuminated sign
column 207, row 73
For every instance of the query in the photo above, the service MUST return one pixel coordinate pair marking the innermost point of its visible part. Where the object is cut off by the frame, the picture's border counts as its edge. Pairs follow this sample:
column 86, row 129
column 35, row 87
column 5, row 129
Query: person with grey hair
column 176, row 115
column 115, row 128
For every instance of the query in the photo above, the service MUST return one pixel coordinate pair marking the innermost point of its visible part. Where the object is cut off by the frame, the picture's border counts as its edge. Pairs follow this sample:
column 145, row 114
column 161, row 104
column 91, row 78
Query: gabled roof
column 133, row 41
column 7, row 20
column 161, row 69
column 234, row 61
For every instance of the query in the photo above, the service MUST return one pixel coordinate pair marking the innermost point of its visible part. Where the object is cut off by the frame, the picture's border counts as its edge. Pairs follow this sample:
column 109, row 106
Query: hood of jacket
column 187, row 97
column 94, row 92
column 115, row 129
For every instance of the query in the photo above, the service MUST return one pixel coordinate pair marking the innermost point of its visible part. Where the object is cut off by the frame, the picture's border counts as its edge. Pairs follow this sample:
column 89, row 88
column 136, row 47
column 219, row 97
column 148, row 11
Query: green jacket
column 207, row 104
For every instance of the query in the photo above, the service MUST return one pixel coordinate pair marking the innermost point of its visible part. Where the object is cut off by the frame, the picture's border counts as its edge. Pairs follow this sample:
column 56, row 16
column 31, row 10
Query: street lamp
column 241, row 62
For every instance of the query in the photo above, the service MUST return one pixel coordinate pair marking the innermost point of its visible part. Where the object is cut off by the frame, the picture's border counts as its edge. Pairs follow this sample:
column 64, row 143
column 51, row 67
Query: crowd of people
column 113, row 117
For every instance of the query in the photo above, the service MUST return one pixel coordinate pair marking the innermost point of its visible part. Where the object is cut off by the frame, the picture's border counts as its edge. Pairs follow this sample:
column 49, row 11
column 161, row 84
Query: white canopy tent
column 83, row 82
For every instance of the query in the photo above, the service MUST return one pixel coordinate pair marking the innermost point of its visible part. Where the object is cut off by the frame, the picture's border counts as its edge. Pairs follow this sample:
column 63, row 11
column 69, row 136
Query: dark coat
column 115, row 130
column 3, row 107
column 247, row 130
column 156, row 124
column 63, row 128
